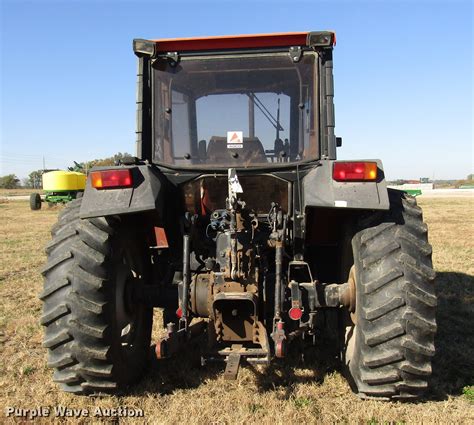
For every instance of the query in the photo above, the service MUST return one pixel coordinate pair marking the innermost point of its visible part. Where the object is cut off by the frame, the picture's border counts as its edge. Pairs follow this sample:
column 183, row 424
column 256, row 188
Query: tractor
column 236, row 220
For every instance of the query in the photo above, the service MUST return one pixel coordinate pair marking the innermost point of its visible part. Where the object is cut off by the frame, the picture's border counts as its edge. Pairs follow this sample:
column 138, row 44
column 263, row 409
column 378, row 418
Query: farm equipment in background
column 237, row 220
column 60, row 187
column 413, row 192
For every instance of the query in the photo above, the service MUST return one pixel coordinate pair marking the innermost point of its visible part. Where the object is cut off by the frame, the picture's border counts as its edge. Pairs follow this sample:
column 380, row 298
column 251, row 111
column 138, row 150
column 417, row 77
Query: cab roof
column 244, row 41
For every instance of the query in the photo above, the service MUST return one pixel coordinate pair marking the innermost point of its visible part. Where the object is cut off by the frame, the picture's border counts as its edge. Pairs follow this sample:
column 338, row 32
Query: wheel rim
column 127, row 313
column 351, row 328
column 352, row 294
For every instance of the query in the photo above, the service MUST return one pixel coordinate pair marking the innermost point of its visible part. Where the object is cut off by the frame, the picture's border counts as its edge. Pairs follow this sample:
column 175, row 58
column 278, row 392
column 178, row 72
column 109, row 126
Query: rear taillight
column 295, row 313
column 111, row 179
column 354, row 171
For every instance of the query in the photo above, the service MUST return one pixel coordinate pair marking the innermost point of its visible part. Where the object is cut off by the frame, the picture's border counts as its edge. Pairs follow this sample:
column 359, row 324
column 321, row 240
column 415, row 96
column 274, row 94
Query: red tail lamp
column 354, row 171
column 111, row 179
column 295, row 313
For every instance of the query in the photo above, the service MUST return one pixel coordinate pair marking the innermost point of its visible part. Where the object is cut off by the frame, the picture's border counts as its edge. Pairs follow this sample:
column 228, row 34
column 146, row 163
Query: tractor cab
column 255, row 104
column 247, row 110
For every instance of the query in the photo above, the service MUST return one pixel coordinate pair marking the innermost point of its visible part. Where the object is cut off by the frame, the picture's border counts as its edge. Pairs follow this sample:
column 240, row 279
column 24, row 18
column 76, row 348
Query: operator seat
column 251, row 152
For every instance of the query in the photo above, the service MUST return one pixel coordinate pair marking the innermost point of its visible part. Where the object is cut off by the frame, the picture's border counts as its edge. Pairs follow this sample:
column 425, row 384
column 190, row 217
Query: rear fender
column 321, row 190
column 146, row 194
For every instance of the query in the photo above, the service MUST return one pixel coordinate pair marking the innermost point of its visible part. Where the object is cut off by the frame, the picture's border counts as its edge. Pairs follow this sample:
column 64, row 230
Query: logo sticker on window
column 235, row 139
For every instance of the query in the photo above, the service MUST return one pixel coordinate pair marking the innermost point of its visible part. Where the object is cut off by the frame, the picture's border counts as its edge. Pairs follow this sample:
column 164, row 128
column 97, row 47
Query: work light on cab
column 354, row 171
column 110, row 179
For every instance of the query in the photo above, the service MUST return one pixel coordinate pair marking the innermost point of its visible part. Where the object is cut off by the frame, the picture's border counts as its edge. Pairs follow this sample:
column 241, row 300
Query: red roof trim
column 232, row 42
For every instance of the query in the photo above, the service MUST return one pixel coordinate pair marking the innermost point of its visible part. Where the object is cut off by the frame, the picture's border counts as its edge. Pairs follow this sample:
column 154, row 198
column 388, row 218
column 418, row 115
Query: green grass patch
column 301, row 402
column 28, row 370
column 468, row 392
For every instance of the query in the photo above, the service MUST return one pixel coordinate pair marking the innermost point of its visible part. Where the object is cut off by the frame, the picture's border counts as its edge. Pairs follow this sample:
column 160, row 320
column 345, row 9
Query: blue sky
column 403, row 75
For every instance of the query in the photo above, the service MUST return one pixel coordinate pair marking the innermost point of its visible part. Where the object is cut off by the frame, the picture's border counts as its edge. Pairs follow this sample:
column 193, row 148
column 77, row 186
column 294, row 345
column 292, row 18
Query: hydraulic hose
column 186, row 278
column 278, row 265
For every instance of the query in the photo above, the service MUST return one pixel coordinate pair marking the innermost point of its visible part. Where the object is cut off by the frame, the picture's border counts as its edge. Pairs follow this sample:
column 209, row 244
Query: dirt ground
column 180, row 391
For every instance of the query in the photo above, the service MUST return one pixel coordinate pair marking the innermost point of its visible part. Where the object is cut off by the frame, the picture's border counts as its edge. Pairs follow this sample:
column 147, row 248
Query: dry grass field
column 180, row 392
column 19, row 191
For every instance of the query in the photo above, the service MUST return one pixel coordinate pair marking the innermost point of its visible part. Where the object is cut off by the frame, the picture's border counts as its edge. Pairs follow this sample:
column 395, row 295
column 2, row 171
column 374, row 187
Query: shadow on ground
column 182, row 371
column 453, row 364
column 297, row 368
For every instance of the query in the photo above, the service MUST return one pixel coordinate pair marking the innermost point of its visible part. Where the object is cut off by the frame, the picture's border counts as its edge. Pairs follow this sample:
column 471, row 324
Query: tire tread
column 395, row 303
column 78, row 298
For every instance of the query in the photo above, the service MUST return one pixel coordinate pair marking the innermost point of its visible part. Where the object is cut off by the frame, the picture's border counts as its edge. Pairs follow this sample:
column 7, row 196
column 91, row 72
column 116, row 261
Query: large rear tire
column 389, row 347
column 97, row 338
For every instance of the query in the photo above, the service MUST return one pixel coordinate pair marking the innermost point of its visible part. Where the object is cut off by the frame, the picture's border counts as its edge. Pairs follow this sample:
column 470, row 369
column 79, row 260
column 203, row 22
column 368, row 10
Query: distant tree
column 26, row 183
column 119, row 156
column 400, row 181
column 84, row 167
column 35, row 179
column 104, row 162
column 10, row 181
column 470, row 177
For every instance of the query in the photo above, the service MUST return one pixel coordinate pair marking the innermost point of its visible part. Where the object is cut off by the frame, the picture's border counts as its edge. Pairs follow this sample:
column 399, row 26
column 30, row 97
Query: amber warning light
column 354, row 171
column 110, row 179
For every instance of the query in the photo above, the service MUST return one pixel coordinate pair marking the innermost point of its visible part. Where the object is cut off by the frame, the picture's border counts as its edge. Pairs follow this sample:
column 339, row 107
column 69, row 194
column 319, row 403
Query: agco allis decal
column 235, row 139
